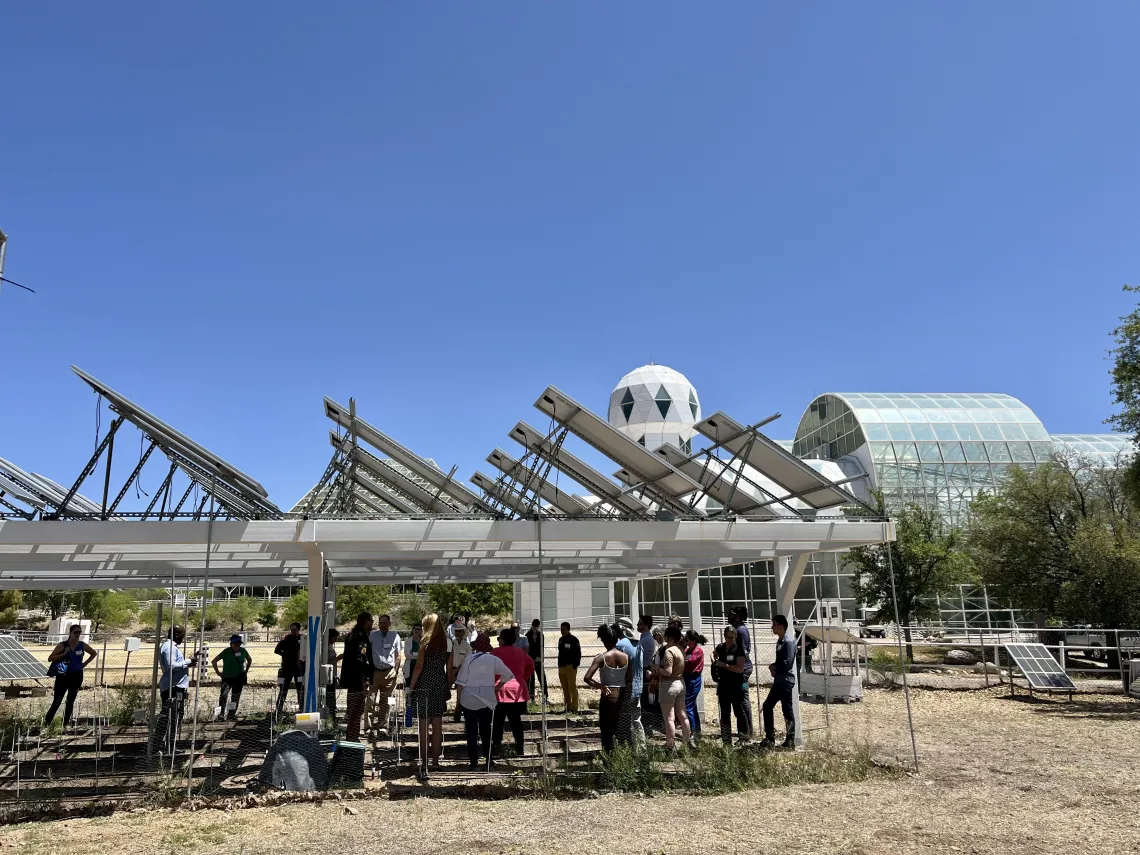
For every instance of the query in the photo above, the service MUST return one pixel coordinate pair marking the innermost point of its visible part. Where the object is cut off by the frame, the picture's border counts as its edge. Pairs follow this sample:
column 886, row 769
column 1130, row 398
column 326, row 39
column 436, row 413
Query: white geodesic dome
column 653, row 405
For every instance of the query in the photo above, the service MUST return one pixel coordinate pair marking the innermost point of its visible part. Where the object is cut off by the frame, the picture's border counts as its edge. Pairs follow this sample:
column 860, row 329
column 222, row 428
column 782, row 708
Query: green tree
column 10, row 607
column 242, row 611
column 927, row 559
column 215, row 616
column 1062, row 542
column 109, row 609
column 482, row 598
column 1126, row 392
column 55, row 603
column 267, row 615
column 351, row 600
column 296, row 609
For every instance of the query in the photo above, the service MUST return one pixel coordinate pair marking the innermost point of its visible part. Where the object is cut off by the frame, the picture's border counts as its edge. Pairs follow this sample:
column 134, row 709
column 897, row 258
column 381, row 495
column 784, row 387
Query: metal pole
column 153, row 679
column 752, row 639
column 103, row 664
column 198, row 653
column 902, row 659
column 539, row 683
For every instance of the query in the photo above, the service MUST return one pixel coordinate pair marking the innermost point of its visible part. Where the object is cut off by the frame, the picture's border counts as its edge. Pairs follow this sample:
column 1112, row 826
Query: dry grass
column 998, row 775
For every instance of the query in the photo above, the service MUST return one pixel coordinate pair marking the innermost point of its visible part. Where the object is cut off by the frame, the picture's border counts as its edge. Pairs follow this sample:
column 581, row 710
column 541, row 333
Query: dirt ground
column 996, row 775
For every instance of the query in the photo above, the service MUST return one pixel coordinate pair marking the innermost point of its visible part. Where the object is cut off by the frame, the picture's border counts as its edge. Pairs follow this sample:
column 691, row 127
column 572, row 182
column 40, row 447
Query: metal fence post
column 154, row 679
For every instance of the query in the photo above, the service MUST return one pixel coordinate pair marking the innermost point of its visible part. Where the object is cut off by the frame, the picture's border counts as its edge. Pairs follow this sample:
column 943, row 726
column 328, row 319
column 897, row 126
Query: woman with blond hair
column 428, row 687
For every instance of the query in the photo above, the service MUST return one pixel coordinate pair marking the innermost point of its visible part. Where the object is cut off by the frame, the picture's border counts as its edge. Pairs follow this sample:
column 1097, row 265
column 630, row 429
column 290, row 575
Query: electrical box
column 308, row 722
column 132, row 644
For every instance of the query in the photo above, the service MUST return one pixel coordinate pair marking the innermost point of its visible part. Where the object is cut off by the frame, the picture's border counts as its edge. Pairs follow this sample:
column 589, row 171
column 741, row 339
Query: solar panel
column 199, row 462
column 772, row 460
column 586, row 475
column 16, row 663
column 1039, row 667
column 639, row 465
column 565, row 503
column 407, row 458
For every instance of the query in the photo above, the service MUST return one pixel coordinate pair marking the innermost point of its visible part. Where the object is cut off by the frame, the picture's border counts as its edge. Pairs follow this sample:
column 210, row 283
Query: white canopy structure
column 388, row 515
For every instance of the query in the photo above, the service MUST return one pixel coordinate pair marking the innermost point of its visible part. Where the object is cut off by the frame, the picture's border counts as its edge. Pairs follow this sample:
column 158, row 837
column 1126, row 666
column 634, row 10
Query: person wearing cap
column 232, row 665
column 479, row 677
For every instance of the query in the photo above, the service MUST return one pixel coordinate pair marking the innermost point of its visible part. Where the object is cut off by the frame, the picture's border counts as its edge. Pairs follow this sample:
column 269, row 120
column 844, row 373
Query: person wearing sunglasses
column 66, row 664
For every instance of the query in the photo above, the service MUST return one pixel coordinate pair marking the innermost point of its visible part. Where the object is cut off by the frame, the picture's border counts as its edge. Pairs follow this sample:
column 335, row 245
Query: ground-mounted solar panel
column 16, row 663
column 1039, row 667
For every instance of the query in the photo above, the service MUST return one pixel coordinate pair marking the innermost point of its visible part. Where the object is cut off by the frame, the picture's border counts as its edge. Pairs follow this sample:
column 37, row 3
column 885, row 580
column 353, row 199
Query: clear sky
column 231, row 210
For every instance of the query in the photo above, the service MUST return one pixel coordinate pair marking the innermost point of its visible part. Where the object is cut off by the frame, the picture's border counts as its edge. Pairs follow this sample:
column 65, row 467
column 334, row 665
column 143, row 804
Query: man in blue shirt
column 172, row 688
column 629, row 722
column 737, row 618
column 783, row 672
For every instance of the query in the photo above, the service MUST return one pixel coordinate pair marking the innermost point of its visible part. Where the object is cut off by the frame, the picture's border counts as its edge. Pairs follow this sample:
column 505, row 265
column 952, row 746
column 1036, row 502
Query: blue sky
column 232, row 210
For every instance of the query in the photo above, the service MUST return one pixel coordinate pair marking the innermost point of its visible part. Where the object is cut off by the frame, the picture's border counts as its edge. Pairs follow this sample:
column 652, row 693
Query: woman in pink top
column 694, row 667
column 512, row 695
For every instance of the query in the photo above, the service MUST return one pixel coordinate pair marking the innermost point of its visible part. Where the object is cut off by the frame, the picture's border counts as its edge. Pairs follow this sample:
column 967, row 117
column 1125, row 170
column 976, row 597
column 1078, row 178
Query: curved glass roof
column 926, row 448
column 1106, row 447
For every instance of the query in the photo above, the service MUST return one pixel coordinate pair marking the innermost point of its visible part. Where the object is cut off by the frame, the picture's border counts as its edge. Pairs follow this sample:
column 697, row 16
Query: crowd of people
column 649, row 678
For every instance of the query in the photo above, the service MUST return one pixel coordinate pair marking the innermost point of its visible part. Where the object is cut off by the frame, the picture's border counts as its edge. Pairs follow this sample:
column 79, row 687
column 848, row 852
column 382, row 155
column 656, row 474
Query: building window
column 621, row 599
column 663, row 401
column 627, row 404
column 600, row 599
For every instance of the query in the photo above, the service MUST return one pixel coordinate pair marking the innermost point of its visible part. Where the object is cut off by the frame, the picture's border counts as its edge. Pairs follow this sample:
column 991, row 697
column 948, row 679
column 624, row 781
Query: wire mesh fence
column 115, row 750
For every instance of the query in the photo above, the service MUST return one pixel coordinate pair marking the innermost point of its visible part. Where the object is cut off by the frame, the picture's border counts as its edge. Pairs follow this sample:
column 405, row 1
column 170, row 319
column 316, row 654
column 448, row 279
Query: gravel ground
column 997, row 775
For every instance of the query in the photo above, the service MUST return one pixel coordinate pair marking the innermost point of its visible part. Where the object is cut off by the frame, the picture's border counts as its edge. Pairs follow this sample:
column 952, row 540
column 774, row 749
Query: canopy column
column 789, row 572
column 634, row 599
column 316, row 628
column 692, row 585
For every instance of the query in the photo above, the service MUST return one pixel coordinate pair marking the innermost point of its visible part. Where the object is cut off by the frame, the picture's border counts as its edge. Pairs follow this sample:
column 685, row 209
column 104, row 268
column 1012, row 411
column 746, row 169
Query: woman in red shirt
column 694, row 666
column 512, row 695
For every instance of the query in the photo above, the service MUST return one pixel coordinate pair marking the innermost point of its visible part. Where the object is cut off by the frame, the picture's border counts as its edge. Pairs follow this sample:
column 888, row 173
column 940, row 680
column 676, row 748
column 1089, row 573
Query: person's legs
column 667, row 720
column 636, row 730
column 238, row 688
column 565, row 682
column 471, row 727
column 541, row 672
column 354, row 712
column 769, row 716
column 483, row 718
column 692, row 693
column 530, row 681
column 746, row 712
column 737, row 704
column 789, row 716
column 58, row 693
column 384, row 683
column 725, row 705
column 75, row 682
column 682, row 717
column 223, row 697
column 436, row 739
column 284, row 680
column 607, row 720
column 517, row 726
column 498, row 724
column 299, row 684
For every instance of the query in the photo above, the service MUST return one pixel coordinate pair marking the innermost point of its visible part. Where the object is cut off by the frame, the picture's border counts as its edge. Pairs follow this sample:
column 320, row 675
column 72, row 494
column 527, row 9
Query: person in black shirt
column 292, row 668
column 731, row 687
column 356, row 673
column 569, row 658
column 783, row 672
column 535, row 642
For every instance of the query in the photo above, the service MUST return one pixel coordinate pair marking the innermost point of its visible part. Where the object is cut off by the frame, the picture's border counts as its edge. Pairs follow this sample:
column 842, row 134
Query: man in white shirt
column 458, row 649
column 386, row 653
column 479, row 676
column 172, row 688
